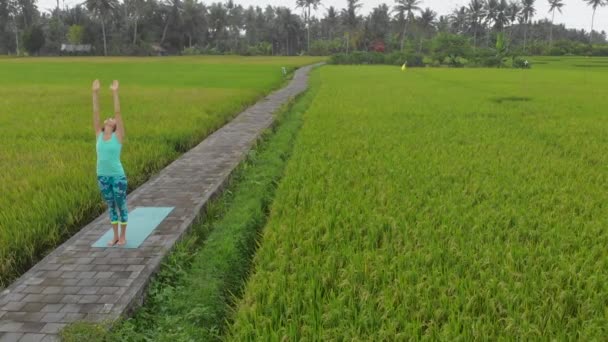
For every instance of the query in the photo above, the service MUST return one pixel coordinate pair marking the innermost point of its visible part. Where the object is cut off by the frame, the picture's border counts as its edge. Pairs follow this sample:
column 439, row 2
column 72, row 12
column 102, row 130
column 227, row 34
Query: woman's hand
column 114, row 87
column 96, row 86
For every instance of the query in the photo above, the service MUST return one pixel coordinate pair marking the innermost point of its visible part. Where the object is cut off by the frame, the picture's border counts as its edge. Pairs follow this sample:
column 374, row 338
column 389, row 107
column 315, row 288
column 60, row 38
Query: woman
column 110, row 173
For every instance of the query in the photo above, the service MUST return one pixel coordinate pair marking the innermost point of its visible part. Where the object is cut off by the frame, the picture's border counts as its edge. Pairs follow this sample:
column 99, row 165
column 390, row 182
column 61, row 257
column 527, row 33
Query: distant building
column 158, row 50
column 378, row 46
column 76, row 48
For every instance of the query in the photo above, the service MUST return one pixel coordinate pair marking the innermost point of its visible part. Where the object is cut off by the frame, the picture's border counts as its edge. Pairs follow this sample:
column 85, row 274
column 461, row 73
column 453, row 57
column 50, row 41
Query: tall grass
column 439, row 205
column 48, row 181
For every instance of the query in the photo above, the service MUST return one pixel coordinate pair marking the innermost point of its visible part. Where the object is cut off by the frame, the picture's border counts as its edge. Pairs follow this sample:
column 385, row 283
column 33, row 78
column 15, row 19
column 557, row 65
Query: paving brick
column 10, row 337
column 70, row 290
column 86, row 275
column 89, row 299
column 49, row 267
column 109, row 299
column 70, row 308
column 123, row 282
column 32, row 316
column 87, row 282
column 31, row 327
column 118, row 268
column 84, row 268
column 33, row 298
column 51, row 299
column 71, row 299
column 33, row 281
column 13, row 306
column 35, row 289
column 67, row 267
column 53, row 317
column 84, row 261
column 108, row 290
column 32, row 307
column 90, row 308
column 101, row 268
column 52, row 328
column 69, row 274
column 103, row 275
column 13, row 297
column 51, row 338
column 52, row 290
column 10, row 326
column 136, row 268
column 52, row 308
column 91, row 290
column 121, row 275
column 32, row 338
column 70, row 282
column 52, row 274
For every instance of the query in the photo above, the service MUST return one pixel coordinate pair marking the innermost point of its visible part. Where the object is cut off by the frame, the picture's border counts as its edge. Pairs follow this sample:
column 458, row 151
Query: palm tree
column 458, row 20
column 426, row 23
column 349, row 14
column 173, row 12
column 194, row 19
column 594, row 4
column 491, row 9
column 331, row 21
column 502, row 16
column 378, row 26
column 513, row 12
column 476, row 13
column 286, row 28
column 554, row 5
column 218, row 21
column 350, row 18
column 308, row 5
column 235, row 22
column 102, row 8
column 135, row 8
column 408, row 7
column 527, row 13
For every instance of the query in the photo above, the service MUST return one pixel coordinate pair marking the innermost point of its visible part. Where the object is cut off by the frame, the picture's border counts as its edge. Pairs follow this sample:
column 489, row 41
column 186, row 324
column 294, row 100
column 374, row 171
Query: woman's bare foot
column 122, row 241
column 113, row 242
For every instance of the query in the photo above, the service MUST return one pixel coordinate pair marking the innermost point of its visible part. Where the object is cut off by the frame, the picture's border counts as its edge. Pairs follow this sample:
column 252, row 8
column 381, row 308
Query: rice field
column 440, row 204
column 48, row 185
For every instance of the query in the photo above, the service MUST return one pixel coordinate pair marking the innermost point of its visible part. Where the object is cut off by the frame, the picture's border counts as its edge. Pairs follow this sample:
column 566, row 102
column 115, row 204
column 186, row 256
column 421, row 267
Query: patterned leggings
column 114, row 192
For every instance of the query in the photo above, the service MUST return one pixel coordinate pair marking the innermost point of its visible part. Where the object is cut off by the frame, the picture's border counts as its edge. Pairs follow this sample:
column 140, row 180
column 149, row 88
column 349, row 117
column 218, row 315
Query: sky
column 576, row 12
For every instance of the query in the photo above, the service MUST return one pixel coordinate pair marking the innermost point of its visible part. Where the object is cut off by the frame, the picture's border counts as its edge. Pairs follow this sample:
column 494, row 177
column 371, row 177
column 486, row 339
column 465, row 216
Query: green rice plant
column 417, row 206
column 48, row 182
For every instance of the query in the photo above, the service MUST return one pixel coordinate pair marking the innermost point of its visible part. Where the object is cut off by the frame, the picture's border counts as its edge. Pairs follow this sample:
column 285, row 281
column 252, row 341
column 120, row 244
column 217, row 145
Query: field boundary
column 77, row 282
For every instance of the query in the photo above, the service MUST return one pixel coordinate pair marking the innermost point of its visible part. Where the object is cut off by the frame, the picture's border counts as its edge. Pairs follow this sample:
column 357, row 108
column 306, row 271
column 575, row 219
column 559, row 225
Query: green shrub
column 395, row 58
column 521, row 63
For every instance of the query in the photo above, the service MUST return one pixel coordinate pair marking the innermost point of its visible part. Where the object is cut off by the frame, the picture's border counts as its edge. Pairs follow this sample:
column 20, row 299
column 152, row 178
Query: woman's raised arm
column 96, row 123
column 120, row 128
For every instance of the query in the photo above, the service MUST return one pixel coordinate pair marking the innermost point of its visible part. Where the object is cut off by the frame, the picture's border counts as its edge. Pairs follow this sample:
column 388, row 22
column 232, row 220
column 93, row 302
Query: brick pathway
column 78, row 282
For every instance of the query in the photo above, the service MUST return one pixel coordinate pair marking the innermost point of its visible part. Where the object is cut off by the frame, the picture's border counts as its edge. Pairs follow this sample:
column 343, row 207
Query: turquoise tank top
column 108, row 157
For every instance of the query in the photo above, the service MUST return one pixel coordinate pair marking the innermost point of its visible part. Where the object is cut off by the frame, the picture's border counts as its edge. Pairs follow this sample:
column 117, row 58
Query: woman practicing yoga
column 110, row 173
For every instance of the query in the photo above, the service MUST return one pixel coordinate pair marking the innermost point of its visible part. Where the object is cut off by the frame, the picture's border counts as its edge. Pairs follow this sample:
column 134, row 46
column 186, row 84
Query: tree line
column 143, row 27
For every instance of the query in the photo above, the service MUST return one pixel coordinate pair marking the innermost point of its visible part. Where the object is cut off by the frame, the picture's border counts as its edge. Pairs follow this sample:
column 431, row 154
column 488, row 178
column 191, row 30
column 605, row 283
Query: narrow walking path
column 80, row 282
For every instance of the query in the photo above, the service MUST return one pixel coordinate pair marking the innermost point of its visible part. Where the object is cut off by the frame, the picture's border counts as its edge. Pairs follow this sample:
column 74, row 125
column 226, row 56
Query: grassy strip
column 191, row 298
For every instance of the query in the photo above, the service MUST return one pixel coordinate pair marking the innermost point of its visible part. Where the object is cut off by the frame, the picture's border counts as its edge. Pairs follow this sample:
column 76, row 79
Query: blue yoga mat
column 142, row 222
